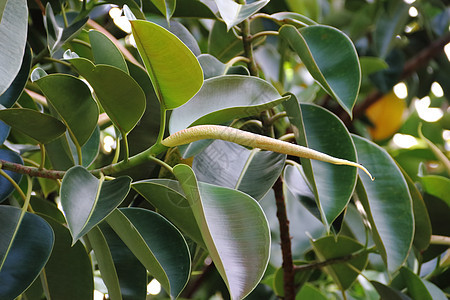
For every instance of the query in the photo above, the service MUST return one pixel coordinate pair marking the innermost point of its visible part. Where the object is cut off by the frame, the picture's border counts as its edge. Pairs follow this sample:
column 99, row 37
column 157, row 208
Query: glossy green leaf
column 230, row 165
column 105, row 51
column 437, row 186
column 319, row 129
column 166, row 7
column 387, row 203
column 212, row 67
column 68, row 272
column 57, row 35
column 168, row 197
column 330, row 57
column 131, row 273
column 387, row 292
column 26, row 242
column 10, row 96
column 225, row 98
column 233, row 13
column 308, row 291
column 119, row 94
column 87, row 200
column 41, row 127
column 415, row 285
column 174, row 70
column 234, row 229
column 6, row 188
column 13, row 37
column 156, row 243
column 72, row 100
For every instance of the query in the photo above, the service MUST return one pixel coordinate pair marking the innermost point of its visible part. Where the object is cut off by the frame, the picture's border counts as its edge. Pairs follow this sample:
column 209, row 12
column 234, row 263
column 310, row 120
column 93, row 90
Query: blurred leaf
column 13, row 37
column 2, row 9
column 324, row 50
column 435, row 292
column 441, row 156
column 72, row 100
column 41, row 127
column 156, row 243
column 319, row 129
column 234, row 229
column 168, row 197
column 25, row 246
column 387, row 292
column 87, row 200
column 174, row 70
column 105, row 51
column 119, row 94
column 387, row 203
column 308, row 291
column 6, row 188
column 10, row 96
column 230, row 165
column 330, row 247
column 437, row 186
column 225, row 98
column 371, row 64
column 56, row 35
column 68, row 272
column 233, row 13
column 309, row 8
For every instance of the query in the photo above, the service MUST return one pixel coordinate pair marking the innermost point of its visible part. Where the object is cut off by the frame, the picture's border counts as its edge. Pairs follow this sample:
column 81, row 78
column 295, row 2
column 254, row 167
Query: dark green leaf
column 437, row 186
column 212, row 67
column 387, row 292
column 174, row 70
column 26, row 242
column 330, row 57
column 13, row 37
column 105, row 52
column 156, row 243
column 222, row 44
column 387, row 203
column 41, row 127
column 225, row 98
column 415, row 285
column 87, row 200
column 72, row 100
column 234, row 229
column 6, row 188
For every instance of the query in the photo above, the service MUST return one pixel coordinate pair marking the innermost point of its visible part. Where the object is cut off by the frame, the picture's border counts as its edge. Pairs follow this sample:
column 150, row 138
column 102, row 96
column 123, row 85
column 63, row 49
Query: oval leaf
column 330, row 57
column 174, row 70
column 225, row 98
column 233, row 13
column 41, row 127
column 387, row 203
column 157, row 244
column 317, row 128
column 105, row 51
column 6, row 188
column 73, row 101
column 13, row 37
column 230, row 165
column 87, row 200
column 234, row 229
column 31, row 241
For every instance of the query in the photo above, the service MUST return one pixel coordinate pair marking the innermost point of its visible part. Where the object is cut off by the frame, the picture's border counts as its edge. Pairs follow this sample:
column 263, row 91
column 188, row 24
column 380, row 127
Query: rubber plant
column 203, row 145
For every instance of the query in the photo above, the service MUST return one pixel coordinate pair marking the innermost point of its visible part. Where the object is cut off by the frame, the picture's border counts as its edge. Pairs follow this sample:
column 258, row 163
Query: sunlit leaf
column 233, row 13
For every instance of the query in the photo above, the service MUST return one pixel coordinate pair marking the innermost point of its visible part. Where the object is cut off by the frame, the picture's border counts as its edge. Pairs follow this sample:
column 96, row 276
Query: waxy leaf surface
column 6, row 188
column 233, row 13
column 105, row 52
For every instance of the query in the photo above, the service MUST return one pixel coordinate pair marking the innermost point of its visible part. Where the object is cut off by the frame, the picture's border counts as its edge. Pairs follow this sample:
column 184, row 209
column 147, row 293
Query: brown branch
column 409, row 68
column 288, row 265
column 31, row 171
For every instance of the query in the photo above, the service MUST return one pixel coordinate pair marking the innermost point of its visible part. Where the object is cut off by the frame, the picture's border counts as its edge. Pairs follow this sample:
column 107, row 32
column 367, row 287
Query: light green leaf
column 41, row 127
column 13, row 37
column 156, row 243
column 234, row 229
column 308, row 291
column 233, row 13
column 330, row 57
column 68, row 271
column 166, row 7
column 105, row 51
column 72, row 100
column 437, row 186
column 168, row 197
column 26, row 242
column 2, row 9
column 370, row 65
column 87, row 200
column 387, row 203
column 225, row 98
column 119, row 94
column 330, row 247
column 230, row 165
column 174, row 70
column 320, row 130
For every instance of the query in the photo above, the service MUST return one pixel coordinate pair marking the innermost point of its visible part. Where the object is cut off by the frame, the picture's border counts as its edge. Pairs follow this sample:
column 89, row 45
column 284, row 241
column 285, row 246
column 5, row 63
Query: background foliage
column 93, row 202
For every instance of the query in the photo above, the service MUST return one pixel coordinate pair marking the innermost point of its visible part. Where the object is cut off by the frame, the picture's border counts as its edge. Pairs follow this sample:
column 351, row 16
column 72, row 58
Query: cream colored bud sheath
column 249, row 139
